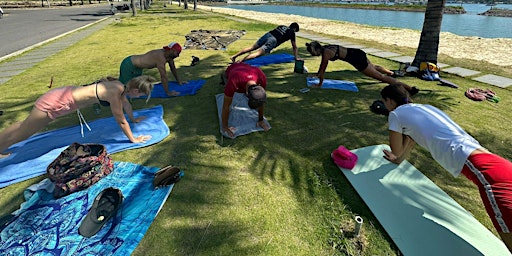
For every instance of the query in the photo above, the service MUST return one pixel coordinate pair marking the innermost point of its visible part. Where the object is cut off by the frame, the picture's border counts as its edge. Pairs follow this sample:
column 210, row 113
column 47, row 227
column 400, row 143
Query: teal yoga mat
column 419, row 217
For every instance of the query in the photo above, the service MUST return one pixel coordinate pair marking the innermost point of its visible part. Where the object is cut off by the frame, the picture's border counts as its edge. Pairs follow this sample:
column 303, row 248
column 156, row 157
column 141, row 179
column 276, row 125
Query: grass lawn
column 266, row 193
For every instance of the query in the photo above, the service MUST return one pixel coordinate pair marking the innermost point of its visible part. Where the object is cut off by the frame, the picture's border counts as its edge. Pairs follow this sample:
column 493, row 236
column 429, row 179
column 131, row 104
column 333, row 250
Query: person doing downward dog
column 132, row 66
column 357, row 58
column 269, row 41
column 244, row 78
column 64, row 100
column 454, row 149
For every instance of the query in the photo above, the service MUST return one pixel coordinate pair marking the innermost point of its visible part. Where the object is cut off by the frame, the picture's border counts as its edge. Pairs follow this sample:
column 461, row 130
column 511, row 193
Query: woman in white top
column 453, row 149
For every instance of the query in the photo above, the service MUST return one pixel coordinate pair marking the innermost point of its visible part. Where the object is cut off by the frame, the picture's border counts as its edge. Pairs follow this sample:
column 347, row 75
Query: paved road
column 21, row 28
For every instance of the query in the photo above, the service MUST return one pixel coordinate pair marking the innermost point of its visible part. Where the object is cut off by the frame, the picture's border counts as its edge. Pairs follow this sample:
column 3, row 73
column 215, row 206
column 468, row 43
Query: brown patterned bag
column 78, row 167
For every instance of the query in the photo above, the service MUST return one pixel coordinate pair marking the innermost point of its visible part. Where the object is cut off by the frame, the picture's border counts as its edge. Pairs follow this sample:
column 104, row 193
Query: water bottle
column 97, row 108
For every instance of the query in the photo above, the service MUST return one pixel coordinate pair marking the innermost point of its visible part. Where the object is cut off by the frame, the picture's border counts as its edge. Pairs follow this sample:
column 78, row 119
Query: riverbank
column 491, row 50
column 394, row 7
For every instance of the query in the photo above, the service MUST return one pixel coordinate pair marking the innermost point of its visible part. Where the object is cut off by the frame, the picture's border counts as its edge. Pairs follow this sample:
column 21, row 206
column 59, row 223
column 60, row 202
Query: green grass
column 273, row 193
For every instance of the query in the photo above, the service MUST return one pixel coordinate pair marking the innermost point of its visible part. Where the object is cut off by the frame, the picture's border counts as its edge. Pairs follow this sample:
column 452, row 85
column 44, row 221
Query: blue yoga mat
column 334, row 84
column 271, row 59
column 45, row 226
column 30, row 158
column 241, row 116
column 189, row 88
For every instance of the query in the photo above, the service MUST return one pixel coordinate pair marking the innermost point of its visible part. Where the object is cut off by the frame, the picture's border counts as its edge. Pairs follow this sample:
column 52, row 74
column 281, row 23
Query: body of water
column 469, row 24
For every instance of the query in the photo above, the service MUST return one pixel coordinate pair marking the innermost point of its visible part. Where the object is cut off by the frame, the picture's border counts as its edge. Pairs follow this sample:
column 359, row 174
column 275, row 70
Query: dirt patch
column 212, row 39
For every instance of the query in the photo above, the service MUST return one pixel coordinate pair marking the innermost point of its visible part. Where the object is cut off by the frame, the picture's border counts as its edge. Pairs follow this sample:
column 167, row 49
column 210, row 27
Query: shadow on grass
column 306, row 128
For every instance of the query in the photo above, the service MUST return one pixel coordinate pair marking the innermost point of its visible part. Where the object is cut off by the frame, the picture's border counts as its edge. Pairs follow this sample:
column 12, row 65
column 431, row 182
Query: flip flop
column 167, row 176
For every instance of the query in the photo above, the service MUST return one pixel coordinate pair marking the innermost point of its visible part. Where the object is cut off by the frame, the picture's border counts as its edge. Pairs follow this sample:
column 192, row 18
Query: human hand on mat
column 173, row 93
column 391, row 157
column 262, row 124
column 138, row 119
column 230, row 131
column 142, row 139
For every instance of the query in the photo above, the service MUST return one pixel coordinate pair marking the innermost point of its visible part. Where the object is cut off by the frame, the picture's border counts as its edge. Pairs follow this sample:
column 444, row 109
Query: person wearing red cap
column 133, row 65
column 249, row 80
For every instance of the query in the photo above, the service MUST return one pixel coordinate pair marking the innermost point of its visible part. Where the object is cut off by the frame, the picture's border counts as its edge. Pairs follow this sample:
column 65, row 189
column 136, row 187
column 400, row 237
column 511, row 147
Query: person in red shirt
column 249, row 80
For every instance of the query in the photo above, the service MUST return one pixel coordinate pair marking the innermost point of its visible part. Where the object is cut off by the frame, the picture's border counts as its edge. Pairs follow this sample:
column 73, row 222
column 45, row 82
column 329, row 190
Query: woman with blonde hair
column 64, row 100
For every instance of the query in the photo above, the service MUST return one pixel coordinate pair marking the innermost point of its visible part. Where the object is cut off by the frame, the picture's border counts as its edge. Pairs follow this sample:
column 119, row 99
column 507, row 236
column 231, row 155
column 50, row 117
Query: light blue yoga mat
column 45, row 226
column 241, row 116
column 419, row 217
column 30, row 158
column 333, row 84
column 189, row 88
column 271, row 59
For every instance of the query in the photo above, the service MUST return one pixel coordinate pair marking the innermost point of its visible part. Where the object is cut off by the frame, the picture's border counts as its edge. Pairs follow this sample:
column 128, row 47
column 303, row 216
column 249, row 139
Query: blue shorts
column 267, row 42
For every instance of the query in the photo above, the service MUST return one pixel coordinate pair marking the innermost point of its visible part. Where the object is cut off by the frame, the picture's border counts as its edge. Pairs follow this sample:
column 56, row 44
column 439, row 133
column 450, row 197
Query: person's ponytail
column 397, row 93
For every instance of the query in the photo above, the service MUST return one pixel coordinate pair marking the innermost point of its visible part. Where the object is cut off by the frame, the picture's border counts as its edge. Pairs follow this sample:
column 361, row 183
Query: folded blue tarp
column 334, row 84
column 30, row 157
column 271, row 59
column 47, row 226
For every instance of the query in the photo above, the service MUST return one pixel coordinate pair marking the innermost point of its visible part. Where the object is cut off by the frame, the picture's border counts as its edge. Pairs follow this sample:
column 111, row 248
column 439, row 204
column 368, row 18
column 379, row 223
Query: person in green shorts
column 133, row 65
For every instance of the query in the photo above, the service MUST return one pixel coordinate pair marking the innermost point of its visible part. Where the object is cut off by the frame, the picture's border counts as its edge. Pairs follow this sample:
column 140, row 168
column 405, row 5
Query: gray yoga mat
column 241, row 117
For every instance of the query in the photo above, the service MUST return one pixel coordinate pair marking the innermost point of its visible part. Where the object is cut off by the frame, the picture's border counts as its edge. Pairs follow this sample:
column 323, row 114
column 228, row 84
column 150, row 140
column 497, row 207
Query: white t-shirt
column 434, row 130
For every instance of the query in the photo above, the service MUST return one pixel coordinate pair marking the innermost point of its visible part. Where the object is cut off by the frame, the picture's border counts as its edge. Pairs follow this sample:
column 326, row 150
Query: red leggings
column 493, row 176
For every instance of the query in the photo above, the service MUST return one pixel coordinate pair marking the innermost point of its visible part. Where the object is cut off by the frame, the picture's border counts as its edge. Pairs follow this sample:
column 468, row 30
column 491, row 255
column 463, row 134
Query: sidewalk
column 17, row 65
column 489, row 79
column 494, row 80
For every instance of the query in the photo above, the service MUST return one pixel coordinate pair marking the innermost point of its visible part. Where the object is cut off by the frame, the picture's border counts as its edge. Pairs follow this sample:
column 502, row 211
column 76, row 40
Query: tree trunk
column 132, row 5
column 70, row 2
column 429, row 40
column 185, row 4
column 195, row 5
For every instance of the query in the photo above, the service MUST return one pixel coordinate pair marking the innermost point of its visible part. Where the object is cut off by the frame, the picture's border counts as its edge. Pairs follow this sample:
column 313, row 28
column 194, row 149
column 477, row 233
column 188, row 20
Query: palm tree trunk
column 429, row 40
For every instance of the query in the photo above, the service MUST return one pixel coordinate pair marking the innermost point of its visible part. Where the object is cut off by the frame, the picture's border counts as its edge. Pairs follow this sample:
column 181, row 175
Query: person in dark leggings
column 356, row 58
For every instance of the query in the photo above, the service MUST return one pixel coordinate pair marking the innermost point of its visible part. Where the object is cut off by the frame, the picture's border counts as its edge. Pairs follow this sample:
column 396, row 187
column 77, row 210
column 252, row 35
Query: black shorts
column 357, row 58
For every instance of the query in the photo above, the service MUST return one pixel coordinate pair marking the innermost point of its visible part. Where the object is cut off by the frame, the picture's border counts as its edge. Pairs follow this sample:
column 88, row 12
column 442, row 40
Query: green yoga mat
column 419, row 217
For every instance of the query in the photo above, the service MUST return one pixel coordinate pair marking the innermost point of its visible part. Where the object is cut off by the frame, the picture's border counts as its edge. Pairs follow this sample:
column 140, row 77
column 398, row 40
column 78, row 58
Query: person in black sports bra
column 63, row 100
column 269, row 41
column 102, row 102
column 357, row 58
